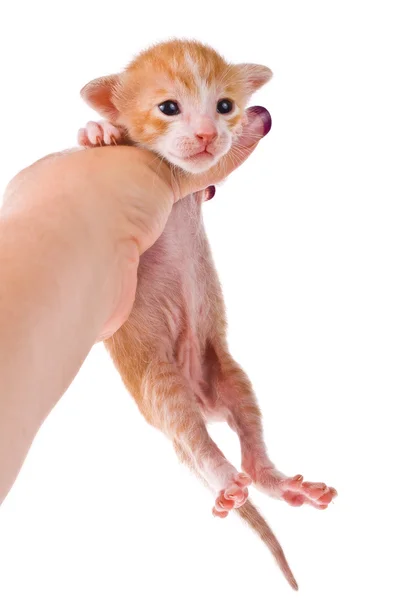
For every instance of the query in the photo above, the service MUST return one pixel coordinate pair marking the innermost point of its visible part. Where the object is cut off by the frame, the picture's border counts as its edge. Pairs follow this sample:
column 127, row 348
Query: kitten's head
column 181, row 100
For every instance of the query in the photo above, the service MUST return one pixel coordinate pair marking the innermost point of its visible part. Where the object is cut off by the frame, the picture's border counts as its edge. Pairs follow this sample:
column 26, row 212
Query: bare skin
column 72, row 229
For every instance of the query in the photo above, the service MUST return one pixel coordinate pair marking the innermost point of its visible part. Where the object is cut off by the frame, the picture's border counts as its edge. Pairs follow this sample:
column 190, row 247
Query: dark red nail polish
column 210, row 192
column 264, row 114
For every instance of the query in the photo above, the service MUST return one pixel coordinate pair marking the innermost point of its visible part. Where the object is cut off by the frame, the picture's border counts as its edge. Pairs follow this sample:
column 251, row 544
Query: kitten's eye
column 169, row 108
column 224, row 106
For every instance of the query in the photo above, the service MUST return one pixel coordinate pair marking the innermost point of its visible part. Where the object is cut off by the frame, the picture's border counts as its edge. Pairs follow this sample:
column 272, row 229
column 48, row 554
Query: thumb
column 257, row 125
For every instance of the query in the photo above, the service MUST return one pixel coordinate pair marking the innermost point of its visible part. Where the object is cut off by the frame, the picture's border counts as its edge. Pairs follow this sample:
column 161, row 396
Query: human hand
column 122, row 197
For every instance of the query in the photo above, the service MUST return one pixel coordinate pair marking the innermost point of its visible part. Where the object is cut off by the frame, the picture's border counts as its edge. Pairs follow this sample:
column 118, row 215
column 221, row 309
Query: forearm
column 54, row 300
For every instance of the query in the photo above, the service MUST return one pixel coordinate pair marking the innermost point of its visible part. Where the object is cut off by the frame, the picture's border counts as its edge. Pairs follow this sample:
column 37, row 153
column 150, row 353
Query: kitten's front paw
column 233, row 496
column 100, row 133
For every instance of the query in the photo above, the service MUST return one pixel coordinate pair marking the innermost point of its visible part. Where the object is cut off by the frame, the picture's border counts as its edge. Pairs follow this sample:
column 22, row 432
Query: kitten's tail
column 249, row 513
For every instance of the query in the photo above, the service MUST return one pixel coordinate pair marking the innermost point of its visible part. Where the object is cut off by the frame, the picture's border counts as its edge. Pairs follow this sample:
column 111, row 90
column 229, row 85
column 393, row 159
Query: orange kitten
column 181, row 100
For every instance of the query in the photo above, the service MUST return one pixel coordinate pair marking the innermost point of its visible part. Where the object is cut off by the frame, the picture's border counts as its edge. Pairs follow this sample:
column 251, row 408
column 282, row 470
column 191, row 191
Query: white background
column 306, row 239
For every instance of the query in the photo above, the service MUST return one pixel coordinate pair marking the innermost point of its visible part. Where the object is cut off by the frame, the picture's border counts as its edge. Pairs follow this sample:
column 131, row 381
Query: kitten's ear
column 254, row 76
column 99, row 95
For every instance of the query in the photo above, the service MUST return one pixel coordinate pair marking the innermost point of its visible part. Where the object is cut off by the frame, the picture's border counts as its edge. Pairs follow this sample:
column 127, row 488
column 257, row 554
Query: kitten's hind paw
column 294, row 490
column 233, row 496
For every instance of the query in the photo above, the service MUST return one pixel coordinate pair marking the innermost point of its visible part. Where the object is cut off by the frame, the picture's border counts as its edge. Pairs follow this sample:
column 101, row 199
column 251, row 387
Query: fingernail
column 210, row 192
column 262, row 112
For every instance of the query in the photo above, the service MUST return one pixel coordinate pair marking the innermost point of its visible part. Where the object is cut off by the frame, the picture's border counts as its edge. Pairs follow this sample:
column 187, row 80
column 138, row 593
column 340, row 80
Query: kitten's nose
column 206, row 136
column 206, row 131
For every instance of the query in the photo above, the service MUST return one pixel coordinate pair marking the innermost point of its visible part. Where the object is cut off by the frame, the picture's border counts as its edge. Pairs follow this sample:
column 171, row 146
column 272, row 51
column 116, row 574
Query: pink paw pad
column 99, row 134
column 297, row 492
column 233, row 496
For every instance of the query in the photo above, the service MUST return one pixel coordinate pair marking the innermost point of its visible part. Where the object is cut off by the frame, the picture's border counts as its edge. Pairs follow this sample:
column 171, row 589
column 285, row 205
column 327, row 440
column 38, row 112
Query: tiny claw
column 232, row 491
column 224, row 503
column 220, row 514
column 98, row 141
column 298, row 478
column 113, row 140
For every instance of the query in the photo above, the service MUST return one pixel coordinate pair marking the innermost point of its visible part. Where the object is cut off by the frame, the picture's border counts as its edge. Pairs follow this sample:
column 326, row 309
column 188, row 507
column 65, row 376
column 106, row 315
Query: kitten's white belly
column 174, row 303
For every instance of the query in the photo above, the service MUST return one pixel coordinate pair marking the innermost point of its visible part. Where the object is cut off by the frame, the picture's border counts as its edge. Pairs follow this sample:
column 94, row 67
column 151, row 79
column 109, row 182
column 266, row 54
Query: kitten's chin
column 194, row 165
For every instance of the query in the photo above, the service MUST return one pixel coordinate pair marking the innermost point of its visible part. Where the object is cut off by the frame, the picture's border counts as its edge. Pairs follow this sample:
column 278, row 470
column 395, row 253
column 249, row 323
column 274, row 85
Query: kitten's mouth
column 195, row 163
column 201, row 154
column 195, row 156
